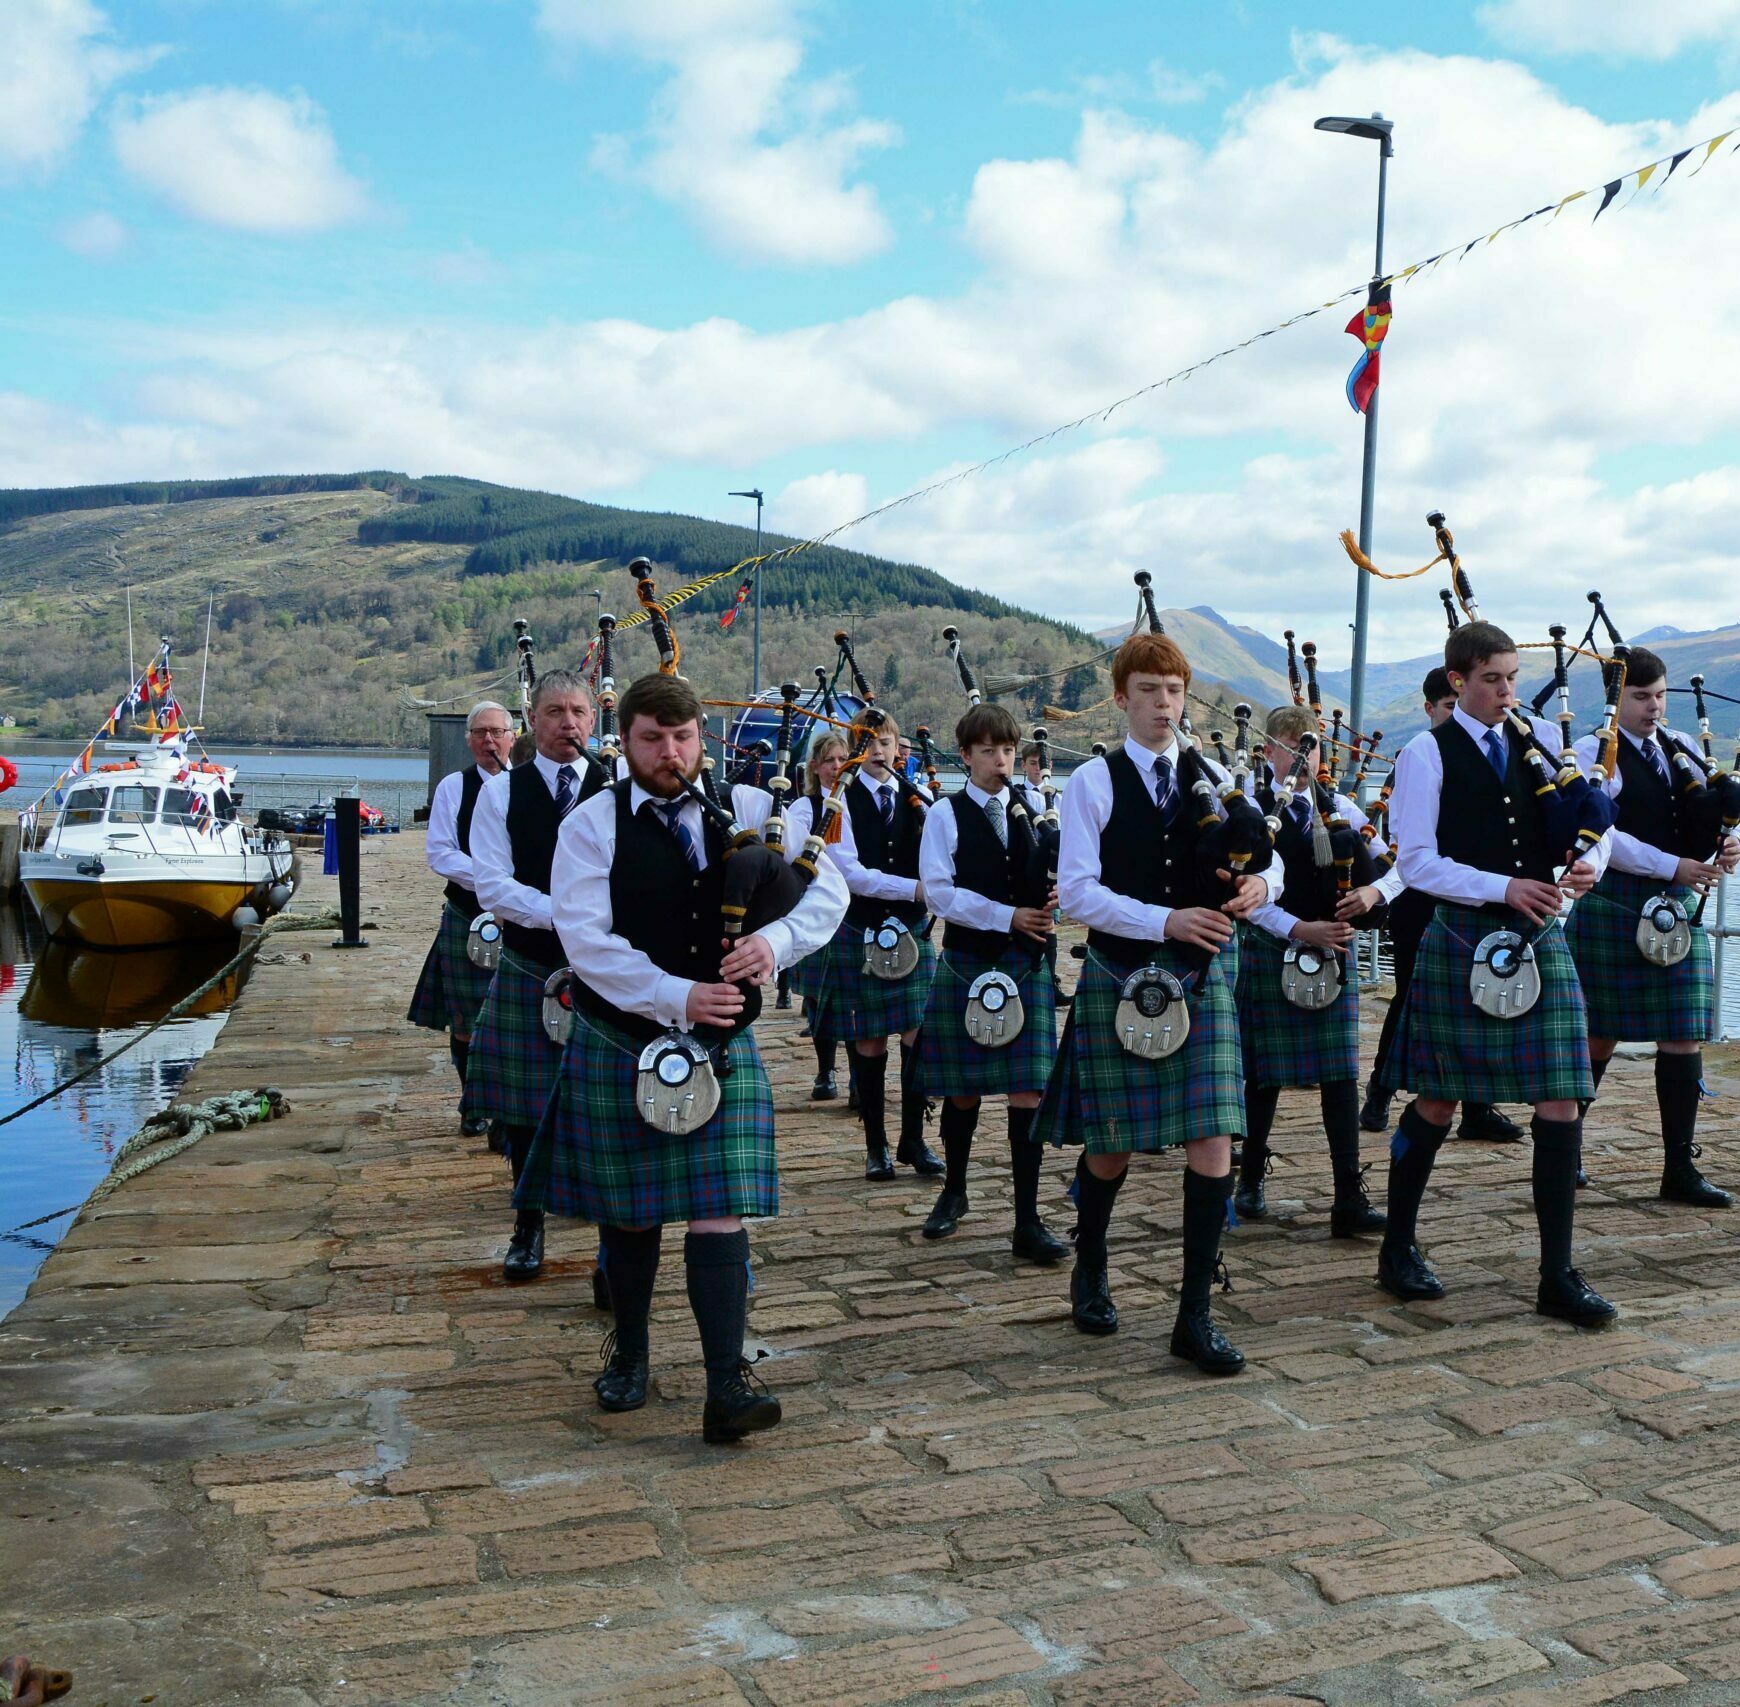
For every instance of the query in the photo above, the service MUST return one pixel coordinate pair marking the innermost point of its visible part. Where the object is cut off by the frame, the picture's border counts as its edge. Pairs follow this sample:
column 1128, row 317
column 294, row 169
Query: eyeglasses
column 481, row 730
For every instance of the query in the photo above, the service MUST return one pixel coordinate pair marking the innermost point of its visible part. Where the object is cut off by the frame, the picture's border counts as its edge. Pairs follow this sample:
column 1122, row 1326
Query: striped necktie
column 1165, row 789
column 994, row 811
column 672, row 812
column 564, row 791
column 1652, row 751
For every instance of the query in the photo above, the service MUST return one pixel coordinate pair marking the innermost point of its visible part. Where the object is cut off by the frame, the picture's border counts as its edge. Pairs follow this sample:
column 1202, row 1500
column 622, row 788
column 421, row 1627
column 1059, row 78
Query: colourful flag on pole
column 730, row 616
column 1371, row 325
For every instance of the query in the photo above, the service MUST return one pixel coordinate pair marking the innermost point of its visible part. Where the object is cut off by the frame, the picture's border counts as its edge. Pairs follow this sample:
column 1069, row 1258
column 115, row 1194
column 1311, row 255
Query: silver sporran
column 1153, row 1017
column 995, row 1015
column 1505, row 981
column 1311, row 977
column 890, row 951
column 559, row 1006
column 483, row 943
column 676, row 1090
column 1664, row 931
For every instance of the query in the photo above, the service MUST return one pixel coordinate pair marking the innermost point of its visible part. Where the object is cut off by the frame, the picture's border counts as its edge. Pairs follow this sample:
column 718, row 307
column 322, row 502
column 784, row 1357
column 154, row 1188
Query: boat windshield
column 84, row 806
column 132, row 803
column 178, row 806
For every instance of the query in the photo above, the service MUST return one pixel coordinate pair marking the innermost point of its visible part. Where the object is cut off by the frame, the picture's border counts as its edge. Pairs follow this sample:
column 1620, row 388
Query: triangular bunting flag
column 1608, row 191
column 1674, row 164
column 1575, row 195
column 1645, row 173
column 1710, row 148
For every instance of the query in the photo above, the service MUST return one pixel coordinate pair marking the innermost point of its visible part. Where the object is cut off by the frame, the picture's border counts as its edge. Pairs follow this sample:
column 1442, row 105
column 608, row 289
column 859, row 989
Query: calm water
column 62, row 1008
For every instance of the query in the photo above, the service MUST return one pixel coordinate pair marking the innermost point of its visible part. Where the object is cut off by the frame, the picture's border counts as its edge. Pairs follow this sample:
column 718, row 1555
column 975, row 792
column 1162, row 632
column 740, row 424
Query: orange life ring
column 8, row 774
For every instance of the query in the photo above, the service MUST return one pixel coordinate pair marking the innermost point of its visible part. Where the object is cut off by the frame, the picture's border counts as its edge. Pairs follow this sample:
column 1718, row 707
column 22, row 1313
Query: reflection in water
column 62, row 1008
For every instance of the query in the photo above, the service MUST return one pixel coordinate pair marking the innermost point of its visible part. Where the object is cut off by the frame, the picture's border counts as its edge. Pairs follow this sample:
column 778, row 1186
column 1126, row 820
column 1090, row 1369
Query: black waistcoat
column 1309, row 891
column 661, row 904
column 531, row 826
column 985, row 866
column 470, row 786
column 1143, row 859
column 1483, row 821
column 1649, row 808
column 883, row 849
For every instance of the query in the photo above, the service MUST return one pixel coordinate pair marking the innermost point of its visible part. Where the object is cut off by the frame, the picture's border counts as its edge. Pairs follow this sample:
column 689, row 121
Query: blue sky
column 645, row 253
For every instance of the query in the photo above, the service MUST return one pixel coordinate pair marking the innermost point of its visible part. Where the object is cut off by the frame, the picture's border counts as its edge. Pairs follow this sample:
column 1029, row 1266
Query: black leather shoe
column 921, row 1158
column 741, row 1406
column 878, row 1164
column 525, row 1252
column 1352, row 1215
column 1571, row 1298
column 1488, row 1125
column 1582, row 1178
column 622, row 1386
column 1681, row 1182
column 825, row 1089
column 472, row 1126
column 1090, row 1299
column 946, row 1214
column 783, row 1001
column 1403, row 1274
column 1374, row 1113
column 1249, row 1204
column 601, row 1290
column 1197, row 1340
column 1037, row 1243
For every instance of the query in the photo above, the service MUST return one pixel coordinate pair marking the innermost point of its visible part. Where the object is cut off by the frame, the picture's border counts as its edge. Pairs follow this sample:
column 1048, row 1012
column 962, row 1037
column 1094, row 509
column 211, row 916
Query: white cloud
column 1615, row 29
column 97, row 236
column 245, row 159
column 818, row 502
column 56, row 62
column 1172, row 87
column 760, row 157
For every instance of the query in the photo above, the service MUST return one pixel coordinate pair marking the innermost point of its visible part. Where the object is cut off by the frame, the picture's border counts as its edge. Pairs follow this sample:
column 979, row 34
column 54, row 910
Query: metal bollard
column 347, row 814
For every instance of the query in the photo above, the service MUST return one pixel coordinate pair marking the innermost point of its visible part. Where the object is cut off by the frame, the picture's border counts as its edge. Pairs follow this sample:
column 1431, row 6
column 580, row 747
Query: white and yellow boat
column 149, row 849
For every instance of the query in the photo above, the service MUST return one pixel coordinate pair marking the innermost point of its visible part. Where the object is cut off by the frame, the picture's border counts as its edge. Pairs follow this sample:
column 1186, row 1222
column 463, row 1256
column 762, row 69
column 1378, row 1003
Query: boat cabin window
column 226, row 808
column 132, row 803
column 84, row 806
column 178, row 806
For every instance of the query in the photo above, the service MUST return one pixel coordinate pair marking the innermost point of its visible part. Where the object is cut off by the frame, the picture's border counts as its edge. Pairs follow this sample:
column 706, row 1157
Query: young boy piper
column 877, row 854
column 1128, row 870
column 636, row 894
column 1285, row 1044
column 980, row 866
column 1663, row 844
column 1470, row 830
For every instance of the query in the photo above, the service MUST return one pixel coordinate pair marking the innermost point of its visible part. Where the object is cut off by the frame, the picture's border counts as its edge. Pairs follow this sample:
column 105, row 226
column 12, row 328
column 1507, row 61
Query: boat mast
column 205, row 662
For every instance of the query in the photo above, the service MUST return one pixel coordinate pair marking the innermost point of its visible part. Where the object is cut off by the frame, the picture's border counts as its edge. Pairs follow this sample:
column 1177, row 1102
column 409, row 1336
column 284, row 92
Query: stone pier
column 272, row 1430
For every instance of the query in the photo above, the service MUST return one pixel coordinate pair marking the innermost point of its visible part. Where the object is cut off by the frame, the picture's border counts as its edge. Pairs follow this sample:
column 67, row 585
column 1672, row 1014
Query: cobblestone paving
column 273, row 1431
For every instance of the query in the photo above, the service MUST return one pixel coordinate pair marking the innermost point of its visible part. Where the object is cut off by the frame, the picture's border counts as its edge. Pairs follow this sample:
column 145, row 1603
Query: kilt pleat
column 1285, row 1045
column 1447, row 1049
column 1628, row 997
column 450, row 991
column 512, row 1067
column 850, row 1003
column 1106, row 1099
column 594, row 1157
column 953, row 1064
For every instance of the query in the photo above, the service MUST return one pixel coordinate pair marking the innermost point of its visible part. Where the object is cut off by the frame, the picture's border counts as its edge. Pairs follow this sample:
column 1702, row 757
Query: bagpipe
column 526, row 669
column 1151, row 613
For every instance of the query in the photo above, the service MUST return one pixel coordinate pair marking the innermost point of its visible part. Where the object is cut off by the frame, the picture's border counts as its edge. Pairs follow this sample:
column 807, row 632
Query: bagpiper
column 823, row 760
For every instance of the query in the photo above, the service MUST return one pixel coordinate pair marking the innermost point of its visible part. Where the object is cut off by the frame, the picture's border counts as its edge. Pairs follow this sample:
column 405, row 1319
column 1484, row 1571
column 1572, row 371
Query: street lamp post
column 755, row 493
column 1376, row 129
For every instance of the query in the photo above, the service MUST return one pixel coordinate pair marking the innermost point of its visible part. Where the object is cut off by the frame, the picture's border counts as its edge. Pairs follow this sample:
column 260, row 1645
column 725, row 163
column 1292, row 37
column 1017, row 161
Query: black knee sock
column 1554, row 1176
column 1339, row 1101
column 1678, row 1086
column 459, row 1051
column 958, row 1125
column 631, row 1257
column 1204, row 1217
column 1024, row 1159
column 1598, row 1071
column 827, row 1053
column 1261, row 1101
column 872, row 1098
column 519, row 1143
column 1094, row 1198
column 911, row 1095
column 1413, row 1149
column 718, row 1276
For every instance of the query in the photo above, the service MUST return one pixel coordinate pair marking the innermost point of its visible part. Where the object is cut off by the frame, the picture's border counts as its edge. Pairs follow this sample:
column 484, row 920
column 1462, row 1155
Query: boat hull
column 143, row 912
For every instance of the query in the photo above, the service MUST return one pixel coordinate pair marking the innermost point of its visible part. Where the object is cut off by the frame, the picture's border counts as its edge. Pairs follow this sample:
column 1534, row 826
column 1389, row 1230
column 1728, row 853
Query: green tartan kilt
column 594, row 1157
column 512, row 1066
column 1631, row 998
column 953, row 1064
column 1103, row 1097
column 451, row 991
column 810, row 974
column 1447, row 1049
column 852, row 1004
column 1285, row 1045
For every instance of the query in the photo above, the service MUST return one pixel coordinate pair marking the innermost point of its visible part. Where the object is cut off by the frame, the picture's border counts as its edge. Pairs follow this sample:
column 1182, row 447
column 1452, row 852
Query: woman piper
column 1150, row 1055
column 827, row 753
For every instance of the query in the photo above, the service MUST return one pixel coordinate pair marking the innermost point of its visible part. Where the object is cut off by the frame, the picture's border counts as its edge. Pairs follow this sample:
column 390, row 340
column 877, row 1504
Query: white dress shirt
column 1084, row 812
column 1414, row 820
column 447, row 859
column 936, row 868
column 866, row 879
column 797, row 826
column 1631, row 853
column 1279, row 921
column 492, row 854
column 613, row 966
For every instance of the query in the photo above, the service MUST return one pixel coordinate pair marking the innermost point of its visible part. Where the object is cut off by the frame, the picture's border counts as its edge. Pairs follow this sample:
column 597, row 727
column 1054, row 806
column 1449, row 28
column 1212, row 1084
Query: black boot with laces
column 622, row 1385
column 1352, row 1214
column 738, row 1405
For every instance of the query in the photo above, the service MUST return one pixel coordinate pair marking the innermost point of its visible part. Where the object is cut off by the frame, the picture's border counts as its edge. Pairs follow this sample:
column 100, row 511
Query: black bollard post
column 347, row 815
